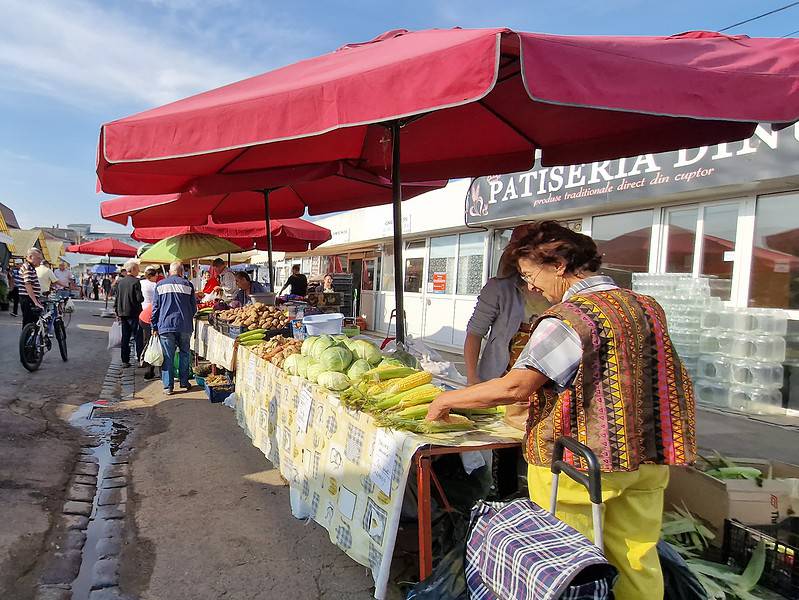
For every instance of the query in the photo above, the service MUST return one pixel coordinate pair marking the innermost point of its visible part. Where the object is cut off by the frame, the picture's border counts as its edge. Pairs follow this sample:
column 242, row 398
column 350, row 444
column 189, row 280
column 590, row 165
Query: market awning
column 472, row 102
column 187, row 246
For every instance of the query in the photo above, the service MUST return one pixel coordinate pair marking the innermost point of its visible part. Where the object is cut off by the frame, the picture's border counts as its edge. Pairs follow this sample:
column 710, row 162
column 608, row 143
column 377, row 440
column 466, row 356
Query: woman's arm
column 471, row 355
column 516, row 386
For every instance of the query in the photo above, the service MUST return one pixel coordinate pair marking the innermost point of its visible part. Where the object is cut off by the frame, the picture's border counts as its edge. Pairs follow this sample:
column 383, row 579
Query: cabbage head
column 303, row 362
column 337, row 382
column 336, row 359
column 357, row 369
column 290, row 364
column 307, row 345
column 367, row 351
column 312, row 374
column 323, row 342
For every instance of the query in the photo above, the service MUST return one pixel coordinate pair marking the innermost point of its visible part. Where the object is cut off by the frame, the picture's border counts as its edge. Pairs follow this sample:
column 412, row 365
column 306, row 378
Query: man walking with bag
column 127, row 306
column 174, row 305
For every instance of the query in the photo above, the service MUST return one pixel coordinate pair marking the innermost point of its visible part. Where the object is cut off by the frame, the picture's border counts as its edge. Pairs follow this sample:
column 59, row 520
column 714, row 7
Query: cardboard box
column 714, row 500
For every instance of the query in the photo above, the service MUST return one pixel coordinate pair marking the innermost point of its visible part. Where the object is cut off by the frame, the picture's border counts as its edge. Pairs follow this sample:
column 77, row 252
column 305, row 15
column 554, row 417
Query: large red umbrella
column 288, row 235
column 104, row 247
column 461, row 103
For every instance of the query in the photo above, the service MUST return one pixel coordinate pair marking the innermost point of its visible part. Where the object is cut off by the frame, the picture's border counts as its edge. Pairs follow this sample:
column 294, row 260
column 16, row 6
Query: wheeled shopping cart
column 519, row 551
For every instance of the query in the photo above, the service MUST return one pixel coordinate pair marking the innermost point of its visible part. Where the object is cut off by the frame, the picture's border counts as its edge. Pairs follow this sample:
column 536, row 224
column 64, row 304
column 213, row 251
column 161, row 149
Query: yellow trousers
column 633, row 512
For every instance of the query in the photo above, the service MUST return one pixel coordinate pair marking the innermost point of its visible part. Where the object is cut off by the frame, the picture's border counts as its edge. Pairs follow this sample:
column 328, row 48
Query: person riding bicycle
column 30, row 291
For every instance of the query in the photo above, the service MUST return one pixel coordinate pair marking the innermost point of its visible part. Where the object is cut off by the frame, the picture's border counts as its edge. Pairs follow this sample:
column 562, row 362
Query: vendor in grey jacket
column 505, row 302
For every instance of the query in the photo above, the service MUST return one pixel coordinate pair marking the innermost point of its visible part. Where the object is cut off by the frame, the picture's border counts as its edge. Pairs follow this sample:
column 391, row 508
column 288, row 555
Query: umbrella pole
column 268, row 220
column 106, row 296
column 396, row 193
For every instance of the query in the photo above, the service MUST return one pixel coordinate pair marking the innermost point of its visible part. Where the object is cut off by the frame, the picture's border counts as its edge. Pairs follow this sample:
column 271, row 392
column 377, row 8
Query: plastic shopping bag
column 153, row 355
column 115, row 335
column 69, row 306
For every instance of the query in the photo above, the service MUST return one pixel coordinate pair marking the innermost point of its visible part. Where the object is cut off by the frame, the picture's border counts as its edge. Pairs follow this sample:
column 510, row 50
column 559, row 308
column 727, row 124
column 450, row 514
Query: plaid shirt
column 554, row 348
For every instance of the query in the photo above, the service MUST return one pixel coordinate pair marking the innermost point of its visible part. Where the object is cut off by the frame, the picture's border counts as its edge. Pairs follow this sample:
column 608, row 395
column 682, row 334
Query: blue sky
column 68, row 66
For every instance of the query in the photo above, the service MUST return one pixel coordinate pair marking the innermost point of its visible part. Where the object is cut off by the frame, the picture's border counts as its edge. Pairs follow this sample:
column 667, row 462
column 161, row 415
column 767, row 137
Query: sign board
column 339, row 236
column 766, row 155
column 439, row 283
column 388, row 226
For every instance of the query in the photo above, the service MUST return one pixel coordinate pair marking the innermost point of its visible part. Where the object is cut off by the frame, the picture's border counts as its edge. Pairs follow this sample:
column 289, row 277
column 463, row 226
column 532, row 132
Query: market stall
column 347, row 470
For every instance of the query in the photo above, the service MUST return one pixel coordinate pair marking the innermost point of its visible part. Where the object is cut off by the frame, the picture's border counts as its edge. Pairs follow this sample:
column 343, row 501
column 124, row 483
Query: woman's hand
column 438, row 409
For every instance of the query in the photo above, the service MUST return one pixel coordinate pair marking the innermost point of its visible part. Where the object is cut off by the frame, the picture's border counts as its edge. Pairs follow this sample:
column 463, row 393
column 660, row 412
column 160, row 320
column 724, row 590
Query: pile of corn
column 398, row 397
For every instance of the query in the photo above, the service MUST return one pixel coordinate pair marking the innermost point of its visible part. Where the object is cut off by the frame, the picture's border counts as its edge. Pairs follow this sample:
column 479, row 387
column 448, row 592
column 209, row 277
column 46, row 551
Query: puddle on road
column 110, row 436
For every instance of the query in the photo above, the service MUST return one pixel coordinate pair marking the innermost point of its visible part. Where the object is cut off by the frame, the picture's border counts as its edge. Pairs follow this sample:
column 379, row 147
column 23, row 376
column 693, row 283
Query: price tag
column 304, row 406
column 384, row 455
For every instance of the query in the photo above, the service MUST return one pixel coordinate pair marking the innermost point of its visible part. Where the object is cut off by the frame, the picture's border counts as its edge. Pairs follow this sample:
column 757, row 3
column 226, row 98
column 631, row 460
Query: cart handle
column 591, row 481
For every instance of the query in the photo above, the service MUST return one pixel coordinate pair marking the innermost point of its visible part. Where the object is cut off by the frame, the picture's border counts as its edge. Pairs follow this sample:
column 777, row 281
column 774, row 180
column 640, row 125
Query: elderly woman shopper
column 599, row 367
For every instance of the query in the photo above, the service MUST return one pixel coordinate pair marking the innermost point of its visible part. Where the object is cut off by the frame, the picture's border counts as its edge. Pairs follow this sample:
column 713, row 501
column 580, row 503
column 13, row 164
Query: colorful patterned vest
column 631, row 400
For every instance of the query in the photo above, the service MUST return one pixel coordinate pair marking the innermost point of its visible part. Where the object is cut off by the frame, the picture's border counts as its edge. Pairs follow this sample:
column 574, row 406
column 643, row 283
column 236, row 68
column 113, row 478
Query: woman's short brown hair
column 550, row 243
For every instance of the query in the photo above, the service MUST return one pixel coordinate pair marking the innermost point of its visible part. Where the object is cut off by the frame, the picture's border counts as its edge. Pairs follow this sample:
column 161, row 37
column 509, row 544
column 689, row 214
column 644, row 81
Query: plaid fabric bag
column 519, row 551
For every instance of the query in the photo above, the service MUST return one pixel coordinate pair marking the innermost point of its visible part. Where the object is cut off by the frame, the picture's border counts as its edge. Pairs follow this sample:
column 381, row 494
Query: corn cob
column 378, row 388
column 453, row 423
column 422, row 394
column 409, row 382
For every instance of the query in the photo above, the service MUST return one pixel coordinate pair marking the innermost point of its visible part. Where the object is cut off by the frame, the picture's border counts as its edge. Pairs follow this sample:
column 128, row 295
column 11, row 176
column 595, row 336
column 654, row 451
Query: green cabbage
column 290, row 364
column 303, row 362
column 314, row 369
column 336, row 359
column 307, row 345
column 367, row 351
column 337, row 382
column 323, row 342
column 358, row 368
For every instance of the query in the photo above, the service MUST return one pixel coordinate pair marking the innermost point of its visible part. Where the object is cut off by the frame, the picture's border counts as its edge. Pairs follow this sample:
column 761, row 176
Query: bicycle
column 35, row 340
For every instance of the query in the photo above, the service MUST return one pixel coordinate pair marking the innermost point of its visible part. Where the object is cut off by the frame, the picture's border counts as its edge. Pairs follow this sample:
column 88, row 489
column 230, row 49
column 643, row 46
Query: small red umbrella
column 104, row 247
column 460, row 103
column 288, row 235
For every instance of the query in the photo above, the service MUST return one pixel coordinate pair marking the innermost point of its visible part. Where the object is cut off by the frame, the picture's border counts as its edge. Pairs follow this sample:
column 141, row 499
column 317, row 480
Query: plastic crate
column 781, row 573
column 235, row 331
column 219, row 393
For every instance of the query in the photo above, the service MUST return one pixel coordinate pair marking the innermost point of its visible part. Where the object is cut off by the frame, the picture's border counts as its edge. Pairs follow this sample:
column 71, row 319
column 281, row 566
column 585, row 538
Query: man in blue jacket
column 174, row 305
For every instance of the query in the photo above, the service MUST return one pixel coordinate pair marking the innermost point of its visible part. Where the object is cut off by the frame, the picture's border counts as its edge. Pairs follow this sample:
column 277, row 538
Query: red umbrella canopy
column 104, row 247
column 470, row 102
column 288, row 235
column 324, row 188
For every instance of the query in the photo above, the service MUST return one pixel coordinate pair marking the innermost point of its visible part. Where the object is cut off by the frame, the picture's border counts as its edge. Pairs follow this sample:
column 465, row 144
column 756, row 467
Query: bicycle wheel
column 61, row 336
column 30, row 355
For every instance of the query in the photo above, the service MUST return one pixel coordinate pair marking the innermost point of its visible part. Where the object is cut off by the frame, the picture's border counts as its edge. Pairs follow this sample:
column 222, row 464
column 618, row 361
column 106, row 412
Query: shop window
column 774, row 279
column 387, row 269
column 471, row 248
column 368, row 274
column 306, row 265
column 623, row 241
column 500, row 241
column 441, row 269
column 414, row 266
column 681, row 240
column 719, row 228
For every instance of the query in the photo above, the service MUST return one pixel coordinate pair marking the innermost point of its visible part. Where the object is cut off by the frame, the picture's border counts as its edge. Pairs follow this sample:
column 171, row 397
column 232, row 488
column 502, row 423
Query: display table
column 346, row 473
column 213, row 346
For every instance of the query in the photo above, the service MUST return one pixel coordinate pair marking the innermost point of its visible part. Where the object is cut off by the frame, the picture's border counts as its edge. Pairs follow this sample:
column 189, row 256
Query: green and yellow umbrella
column 187, row 246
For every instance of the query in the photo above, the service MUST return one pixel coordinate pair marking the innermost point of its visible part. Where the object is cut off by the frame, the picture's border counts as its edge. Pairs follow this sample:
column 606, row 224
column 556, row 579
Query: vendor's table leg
column 424, row 516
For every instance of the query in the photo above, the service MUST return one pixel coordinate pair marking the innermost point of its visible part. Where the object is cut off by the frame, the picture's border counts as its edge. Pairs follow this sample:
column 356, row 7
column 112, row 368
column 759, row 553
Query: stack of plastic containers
column 734, row 355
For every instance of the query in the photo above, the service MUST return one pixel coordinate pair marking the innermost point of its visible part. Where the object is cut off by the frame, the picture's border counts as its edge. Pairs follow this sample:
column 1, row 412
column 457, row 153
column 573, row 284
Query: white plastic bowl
column 324, row 324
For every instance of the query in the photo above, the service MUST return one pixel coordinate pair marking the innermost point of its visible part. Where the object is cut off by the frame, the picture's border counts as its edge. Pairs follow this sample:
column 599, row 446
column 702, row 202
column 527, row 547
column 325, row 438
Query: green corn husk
column 416, row 412
column 381, row 374
column 353, row 398
column 735, row 473
column 454, row 423
column 476, row 412
column 424, row 394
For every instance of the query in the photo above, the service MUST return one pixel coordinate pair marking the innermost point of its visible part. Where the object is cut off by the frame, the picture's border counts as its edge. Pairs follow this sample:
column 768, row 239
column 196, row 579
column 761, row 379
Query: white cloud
column 85, row 56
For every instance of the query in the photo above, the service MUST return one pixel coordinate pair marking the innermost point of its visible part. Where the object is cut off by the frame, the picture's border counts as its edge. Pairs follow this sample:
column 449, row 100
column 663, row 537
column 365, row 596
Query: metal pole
column 268, row 220
column 396, row 193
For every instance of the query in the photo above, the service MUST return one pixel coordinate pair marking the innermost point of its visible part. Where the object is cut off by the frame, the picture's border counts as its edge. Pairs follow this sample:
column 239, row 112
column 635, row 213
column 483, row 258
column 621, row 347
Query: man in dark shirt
column 127, row 306
column 297, row 281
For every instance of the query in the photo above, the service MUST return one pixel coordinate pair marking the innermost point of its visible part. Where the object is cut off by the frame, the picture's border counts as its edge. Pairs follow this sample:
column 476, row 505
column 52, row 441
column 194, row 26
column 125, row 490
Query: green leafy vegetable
column 335, row 359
